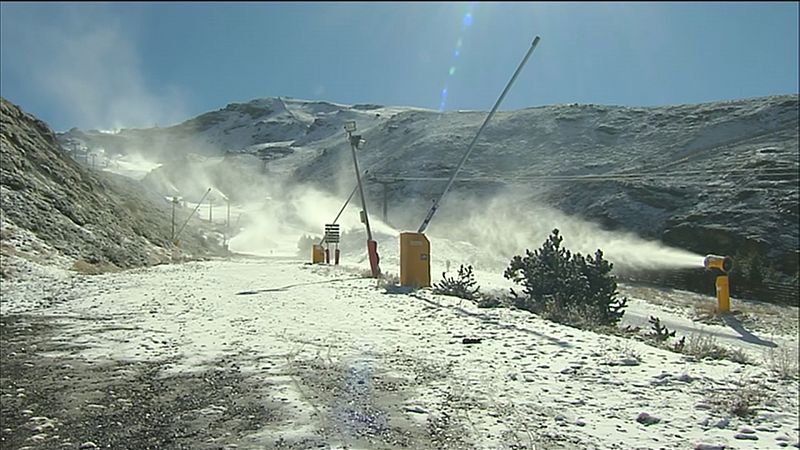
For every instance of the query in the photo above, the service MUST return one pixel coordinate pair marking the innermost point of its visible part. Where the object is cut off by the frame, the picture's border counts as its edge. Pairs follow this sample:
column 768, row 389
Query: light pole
column 356, row 141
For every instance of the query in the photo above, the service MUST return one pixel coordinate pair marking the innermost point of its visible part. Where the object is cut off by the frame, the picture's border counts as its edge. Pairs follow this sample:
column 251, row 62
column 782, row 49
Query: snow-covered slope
column 338, row 363
column 718, row 177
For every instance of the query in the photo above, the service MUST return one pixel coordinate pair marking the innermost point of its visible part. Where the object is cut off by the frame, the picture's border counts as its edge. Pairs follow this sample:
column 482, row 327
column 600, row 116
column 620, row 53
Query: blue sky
column 110, row 65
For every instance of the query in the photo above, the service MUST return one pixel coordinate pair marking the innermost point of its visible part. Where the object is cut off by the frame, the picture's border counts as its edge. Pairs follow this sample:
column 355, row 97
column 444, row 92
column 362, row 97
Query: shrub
column 490, row 300
column 464, row 286
column 705, row 346
column 566, row 287
column 742, row 398
column 783, row 362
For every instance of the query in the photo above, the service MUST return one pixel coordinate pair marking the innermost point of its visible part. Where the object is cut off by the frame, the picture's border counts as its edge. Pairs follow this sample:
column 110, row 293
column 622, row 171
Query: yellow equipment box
column 317, row 254
column 415, row 260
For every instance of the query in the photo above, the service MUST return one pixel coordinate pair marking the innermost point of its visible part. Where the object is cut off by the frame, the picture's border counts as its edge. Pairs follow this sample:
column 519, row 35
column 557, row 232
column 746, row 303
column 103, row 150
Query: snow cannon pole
column 721, row 265
column 175, row 239
column 415, row 264
column 435, row 206
column 321, row 241
column 316, row 249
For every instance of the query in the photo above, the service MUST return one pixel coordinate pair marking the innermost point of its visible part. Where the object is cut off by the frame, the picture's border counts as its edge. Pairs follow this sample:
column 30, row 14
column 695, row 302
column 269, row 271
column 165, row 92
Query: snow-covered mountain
column 717, row 177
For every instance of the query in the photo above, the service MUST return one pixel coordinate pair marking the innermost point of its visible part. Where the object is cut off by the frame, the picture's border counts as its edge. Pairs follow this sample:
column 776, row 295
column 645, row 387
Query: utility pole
column 385, row 184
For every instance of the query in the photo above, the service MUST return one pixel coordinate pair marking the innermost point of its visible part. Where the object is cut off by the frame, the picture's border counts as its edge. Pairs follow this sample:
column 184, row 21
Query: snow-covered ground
column 359, row 367
column 131, row 166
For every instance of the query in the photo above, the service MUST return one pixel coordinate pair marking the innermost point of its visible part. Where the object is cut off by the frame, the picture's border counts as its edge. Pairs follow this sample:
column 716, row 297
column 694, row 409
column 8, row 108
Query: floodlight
column 357, row 141
column 350, row 126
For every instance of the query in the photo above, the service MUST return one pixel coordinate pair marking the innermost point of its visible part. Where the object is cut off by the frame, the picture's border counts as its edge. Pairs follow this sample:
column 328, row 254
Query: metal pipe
column 190, row 215
column 475, row 139
column 341, row 210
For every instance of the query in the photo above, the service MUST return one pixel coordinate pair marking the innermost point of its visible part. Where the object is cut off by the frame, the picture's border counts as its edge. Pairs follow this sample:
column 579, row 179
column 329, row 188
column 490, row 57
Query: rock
column 747, row 430
column 709, row 447
column 746, row 437
column 722, row 423
column 580, row 422
column 416, row 409
column 646, row 419
column 627, row 361
column 467, row 340
column 686, row 378
column 87, row 445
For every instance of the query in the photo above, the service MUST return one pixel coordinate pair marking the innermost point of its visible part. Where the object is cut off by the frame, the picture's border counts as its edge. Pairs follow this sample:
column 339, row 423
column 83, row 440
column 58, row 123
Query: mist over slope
column 718, row 177
column 102, row 219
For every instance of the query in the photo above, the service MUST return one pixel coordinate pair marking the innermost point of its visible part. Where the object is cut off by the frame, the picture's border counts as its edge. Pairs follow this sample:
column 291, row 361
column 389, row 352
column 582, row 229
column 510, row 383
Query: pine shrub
column 464, row 286
column 566, row 287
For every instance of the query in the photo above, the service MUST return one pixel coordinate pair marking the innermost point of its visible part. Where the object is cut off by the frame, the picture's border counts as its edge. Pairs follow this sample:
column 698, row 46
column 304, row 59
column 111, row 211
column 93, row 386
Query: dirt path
column 273, row 354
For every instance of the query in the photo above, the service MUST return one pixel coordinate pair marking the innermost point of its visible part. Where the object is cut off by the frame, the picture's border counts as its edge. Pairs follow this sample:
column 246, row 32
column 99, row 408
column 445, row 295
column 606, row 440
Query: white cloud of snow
column 88, row 62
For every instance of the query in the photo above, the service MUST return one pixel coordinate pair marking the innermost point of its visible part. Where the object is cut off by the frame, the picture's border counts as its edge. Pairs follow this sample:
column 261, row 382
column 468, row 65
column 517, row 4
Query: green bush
column 464, row 286
column 566, row 287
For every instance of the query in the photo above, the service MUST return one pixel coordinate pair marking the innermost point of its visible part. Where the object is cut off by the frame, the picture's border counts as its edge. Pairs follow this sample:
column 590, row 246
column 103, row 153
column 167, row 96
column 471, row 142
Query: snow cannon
column 721, row 265
column 415, row 248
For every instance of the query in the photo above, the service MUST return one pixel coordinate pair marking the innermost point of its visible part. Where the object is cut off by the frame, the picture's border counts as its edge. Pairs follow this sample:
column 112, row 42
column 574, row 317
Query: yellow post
column 723, row 294
column 317, row 254
column 415, row 260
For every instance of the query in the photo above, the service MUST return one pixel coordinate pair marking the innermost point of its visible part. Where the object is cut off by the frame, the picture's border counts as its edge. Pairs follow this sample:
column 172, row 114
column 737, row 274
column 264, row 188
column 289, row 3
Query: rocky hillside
column 718, row 177
column 101, row 220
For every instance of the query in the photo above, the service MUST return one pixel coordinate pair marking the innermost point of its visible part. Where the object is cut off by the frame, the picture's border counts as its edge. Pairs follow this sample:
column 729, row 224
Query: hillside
column 709, row 178
column 273, row 352
column 52, row 208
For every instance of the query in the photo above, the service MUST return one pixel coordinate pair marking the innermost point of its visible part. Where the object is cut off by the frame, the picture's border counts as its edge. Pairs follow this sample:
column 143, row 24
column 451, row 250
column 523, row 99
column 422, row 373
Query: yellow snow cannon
column 722, row 265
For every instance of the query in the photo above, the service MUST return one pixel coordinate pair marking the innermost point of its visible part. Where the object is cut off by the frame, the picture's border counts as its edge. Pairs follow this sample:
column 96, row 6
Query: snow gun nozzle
column 723, row 263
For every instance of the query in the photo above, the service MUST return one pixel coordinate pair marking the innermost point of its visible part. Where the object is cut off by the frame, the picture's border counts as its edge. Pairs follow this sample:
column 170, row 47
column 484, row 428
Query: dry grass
column 742, row 398
column 783, row 362
column 705, row 346
column 87, row 268
column 755, row 315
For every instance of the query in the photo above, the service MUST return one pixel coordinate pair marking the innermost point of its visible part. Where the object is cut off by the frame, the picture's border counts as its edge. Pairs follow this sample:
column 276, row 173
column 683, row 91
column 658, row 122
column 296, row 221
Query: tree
column 566, row 287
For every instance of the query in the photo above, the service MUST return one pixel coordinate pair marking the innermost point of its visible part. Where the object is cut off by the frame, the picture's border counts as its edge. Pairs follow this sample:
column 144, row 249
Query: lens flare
column 466, row 22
